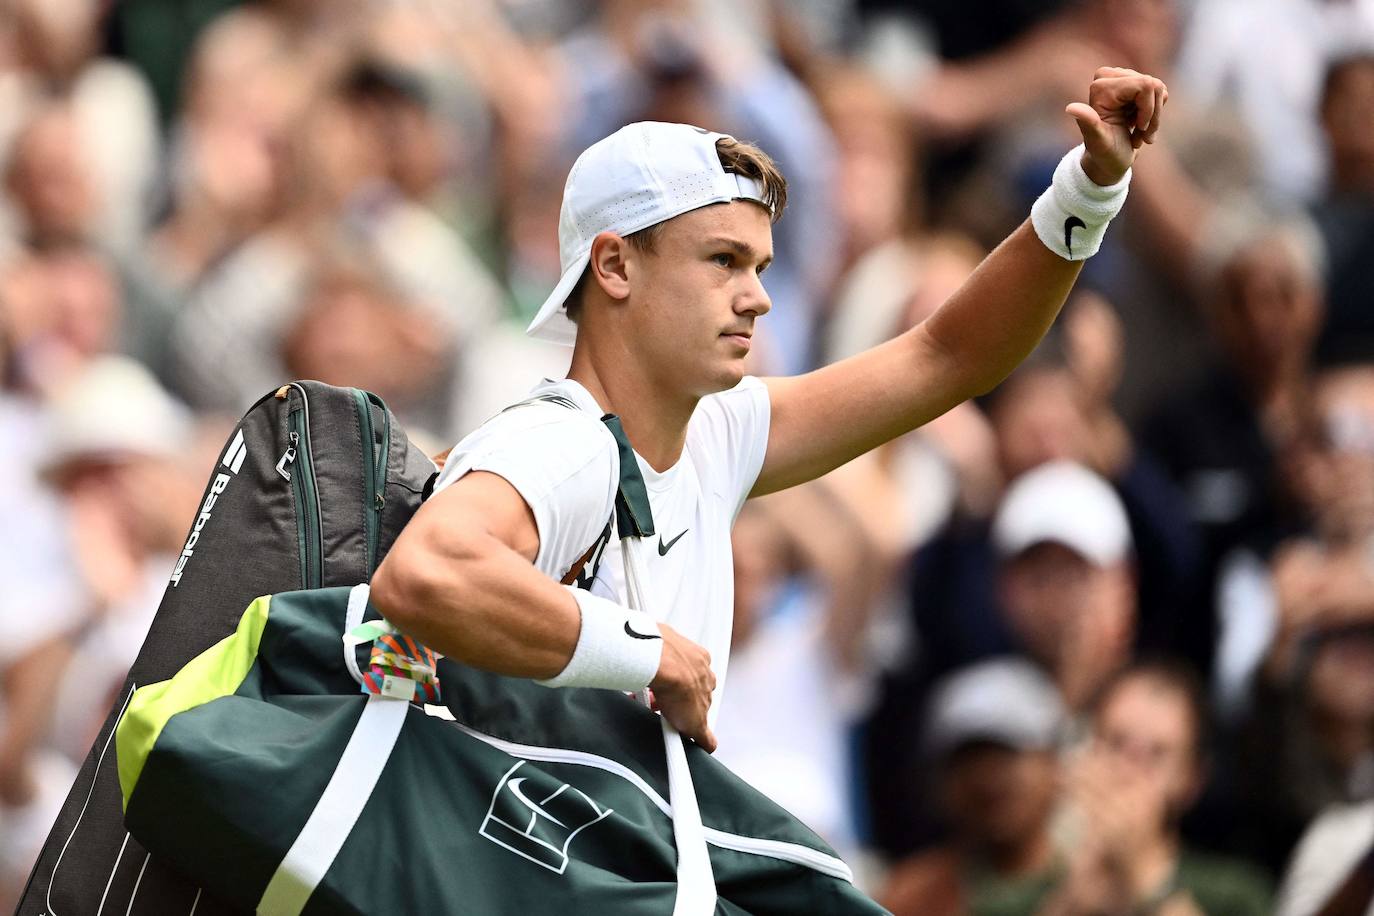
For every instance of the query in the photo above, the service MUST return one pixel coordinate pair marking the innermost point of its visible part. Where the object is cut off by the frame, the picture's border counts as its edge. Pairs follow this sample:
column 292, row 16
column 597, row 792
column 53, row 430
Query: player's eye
column 723, row 259
column 760, row 269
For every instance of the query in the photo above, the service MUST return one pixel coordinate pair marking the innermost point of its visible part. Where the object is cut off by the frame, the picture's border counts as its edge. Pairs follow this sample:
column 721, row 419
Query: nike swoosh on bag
column 664, row 548
column 1070, row 225
column 630, row 632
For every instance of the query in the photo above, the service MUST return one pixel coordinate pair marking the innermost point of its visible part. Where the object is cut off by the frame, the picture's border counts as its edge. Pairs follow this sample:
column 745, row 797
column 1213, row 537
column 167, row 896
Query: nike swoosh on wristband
column 630, row 632
column 664, row 548
column 1070, row 225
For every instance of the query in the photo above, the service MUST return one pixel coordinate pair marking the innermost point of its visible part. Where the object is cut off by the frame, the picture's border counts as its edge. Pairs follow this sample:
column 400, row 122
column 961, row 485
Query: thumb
column 707, row 740
column 1089, row 124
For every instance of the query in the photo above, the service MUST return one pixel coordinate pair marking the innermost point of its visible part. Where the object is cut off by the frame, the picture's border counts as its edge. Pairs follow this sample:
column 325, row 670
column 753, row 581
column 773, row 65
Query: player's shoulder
column 747, row 397
column 552, row 408
column 741, row 409
column 552, row 434
column 728, row 438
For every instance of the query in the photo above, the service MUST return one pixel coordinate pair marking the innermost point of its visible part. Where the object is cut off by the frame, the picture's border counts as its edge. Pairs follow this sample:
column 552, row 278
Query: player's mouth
column 741, row 339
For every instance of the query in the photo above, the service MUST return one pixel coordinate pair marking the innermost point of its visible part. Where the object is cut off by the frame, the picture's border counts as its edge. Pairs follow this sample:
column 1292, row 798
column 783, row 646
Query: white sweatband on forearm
column 618, row 648
column 1072, row 215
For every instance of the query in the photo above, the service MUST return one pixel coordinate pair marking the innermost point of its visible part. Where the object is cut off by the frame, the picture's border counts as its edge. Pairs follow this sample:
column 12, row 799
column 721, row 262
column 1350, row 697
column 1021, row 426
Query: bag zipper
column 374, row 468
column 305, row 490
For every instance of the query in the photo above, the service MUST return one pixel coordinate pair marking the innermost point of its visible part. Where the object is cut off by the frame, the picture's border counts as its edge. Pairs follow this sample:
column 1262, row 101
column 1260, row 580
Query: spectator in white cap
column 992, row 733
column 1067, row 579
column 115, row 454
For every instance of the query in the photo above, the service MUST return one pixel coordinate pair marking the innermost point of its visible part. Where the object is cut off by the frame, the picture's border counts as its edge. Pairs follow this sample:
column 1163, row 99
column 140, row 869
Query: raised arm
column 827, row 417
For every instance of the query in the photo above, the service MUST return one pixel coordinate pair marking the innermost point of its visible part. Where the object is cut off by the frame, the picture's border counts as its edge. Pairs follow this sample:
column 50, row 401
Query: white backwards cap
column 639, row 176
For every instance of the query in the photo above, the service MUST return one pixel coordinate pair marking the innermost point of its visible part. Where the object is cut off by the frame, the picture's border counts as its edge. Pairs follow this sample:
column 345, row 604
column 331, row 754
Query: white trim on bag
column 52, row 877
column 134, row 893
column 357, row 604
column 101, row 908
column 794, row 853
column 330, row 823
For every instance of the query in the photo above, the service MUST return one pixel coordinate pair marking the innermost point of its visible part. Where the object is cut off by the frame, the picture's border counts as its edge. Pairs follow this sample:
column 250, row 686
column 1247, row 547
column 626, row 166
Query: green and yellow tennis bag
column 316, row 761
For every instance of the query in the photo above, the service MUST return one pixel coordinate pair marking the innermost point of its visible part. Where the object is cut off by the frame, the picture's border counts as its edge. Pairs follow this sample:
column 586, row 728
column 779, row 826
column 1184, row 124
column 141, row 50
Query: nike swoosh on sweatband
column 1071, row 217
column 618, row 648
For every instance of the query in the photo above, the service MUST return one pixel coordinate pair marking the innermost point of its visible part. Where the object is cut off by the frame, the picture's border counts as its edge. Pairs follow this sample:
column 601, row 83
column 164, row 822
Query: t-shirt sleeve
column 731, row 430
column 564, row 465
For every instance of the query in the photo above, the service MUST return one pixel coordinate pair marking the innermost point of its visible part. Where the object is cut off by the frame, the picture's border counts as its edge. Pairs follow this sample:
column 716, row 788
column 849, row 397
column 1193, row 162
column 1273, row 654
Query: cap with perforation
column 640, row 175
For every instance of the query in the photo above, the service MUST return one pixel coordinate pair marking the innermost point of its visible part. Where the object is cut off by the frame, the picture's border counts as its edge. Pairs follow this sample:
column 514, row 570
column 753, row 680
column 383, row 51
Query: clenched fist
column 1122, row 114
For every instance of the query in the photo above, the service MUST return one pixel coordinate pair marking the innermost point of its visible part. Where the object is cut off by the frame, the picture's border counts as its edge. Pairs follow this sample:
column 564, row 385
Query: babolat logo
column 235, row 453
column 233, row 460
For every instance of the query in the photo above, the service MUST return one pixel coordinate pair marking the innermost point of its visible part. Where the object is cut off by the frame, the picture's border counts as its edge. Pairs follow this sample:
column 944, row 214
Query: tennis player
column 664, row 233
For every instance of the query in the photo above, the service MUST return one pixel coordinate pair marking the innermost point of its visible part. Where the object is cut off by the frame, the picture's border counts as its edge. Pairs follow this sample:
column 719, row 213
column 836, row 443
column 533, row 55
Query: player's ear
column 608, row 264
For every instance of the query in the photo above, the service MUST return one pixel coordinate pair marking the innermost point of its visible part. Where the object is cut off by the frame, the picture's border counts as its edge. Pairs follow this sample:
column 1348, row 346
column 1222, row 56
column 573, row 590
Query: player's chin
column 728, row 374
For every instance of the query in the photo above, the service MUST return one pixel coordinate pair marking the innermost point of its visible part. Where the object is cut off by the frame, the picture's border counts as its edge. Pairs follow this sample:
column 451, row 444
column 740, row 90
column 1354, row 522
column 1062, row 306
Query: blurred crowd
column 1101, row 642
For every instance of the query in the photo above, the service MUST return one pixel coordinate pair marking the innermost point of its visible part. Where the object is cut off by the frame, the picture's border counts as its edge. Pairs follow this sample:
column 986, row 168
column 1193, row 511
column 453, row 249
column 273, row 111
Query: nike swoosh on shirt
column 632, row 633
column 664, row 548
column 1070, row 225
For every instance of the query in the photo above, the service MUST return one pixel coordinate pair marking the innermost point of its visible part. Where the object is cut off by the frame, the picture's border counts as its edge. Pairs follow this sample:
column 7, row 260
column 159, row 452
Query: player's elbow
column 420, row 580
column 961, row 375
column 978, row 385
column 400, row 589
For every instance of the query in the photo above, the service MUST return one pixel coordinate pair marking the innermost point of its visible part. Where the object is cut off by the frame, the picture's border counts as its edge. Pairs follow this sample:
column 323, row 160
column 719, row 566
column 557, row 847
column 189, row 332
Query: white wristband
column 618, row 648
column 1072, row 215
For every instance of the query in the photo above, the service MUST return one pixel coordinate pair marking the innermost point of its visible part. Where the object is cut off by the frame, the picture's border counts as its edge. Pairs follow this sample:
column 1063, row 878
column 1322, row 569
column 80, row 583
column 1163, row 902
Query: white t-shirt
column 564, row 463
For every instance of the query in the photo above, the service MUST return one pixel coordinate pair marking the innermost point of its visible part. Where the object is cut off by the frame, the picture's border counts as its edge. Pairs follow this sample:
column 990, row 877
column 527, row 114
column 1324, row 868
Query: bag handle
column 696, row 884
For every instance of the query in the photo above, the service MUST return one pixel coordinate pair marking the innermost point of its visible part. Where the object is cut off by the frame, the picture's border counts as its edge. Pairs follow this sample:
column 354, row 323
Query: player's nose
column 754, row 300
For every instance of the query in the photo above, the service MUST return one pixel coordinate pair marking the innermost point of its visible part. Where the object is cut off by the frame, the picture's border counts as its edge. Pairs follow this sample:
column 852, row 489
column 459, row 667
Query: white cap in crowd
column 1006, row 701
column 637, row 177
column 1063, row 503
column 114, row 407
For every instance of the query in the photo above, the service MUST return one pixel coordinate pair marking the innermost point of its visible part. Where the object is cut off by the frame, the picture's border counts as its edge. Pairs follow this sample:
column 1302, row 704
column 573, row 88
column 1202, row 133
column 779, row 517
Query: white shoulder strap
column 696, row 883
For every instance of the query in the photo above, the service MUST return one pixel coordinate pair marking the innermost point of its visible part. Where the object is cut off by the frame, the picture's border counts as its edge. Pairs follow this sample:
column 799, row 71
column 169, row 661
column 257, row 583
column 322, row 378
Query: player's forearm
column 1001, row 312
column 1004, row 309
column 473, row 599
